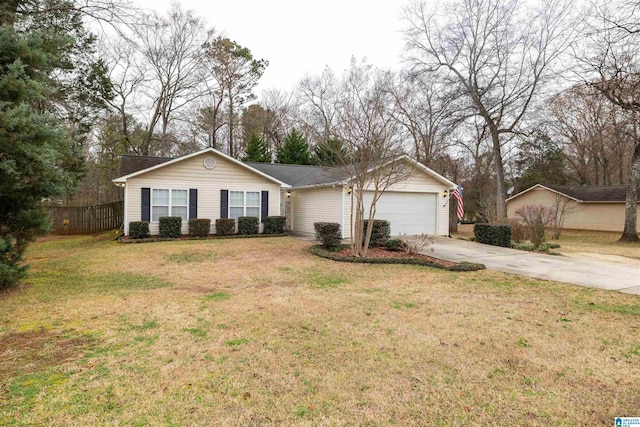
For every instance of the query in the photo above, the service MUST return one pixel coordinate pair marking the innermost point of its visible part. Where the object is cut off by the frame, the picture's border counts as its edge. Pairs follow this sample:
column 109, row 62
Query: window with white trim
column 169, row 203
column 244, row 203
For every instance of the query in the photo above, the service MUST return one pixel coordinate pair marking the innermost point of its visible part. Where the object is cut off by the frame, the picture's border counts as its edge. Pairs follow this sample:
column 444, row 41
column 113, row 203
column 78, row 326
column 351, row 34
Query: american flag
column 457, row 194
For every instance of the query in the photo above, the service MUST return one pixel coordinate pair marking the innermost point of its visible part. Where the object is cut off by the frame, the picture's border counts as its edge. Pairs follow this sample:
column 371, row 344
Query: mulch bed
column 381, row 253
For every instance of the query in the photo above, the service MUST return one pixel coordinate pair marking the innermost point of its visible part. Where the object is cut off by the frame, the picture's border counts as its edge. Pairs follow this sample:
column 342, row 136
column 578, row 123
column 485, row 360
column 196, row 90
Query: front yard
column 260, row 332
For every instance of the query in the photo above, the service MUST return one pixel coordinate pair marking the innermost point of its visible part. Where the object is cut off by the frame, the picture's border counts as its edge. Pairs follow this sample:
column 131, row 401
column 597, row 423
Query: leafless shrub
column 417, row 242
column 536, row 218
column 519, row 231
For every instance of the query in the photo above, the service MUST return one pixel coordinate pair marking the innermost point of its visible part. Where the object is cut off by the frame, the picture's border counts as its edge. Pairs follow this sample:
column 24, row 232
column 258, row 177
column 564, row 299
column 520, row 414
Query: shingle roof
column 294, row 175
column 130, row 164
column 298, row 175
column 594, row 193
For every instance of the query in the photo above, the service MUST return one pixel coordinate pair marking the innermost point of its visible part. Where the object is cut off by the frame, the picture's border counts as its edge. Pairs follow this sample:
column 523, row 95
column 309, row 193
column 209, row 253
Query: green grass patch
column 403, row 305
column 189, row 257
column 236, row 342
column 626, row 309
column 217, row 296
column 325, row 280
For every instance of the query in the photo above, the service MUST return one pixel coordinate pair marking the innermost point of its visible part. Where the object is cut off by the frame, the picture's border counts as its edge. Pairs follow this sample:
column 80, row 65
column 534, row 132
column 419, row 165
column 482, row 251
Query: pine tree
column 330, row 153
column 257, row 150
column 46, row 76
column 294, row 150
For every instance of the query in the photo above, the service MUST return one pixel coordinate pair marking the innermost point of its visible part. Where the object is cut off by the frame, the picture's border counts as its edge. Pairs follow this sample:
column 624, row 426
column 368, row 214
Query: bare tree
column 427, row 112
column 171, row 49
column 615, row 34
column 370, row 134
column 594, row 135
column 318, row 96
column 497, row 53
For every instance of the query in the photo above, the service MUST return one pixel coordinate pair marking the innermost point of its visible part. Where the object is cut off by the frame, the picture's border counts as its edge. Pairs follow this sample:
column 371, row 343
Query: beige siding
column 420, row 182
column 190, row 173
column 578, row 216
column 315, row 205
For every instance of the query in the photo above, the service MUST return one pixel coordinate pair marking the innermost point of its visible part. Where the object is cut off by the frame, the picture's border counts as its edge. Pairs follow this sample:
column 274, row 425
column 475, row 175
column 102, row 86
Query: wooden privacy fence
column 86, row 219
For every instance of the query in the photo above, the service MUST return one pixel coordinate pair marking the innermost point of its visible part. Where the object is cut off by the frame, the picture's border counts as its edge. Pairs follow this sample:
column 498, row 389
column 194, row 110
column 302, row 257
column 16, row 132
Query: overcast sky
column 299, row 37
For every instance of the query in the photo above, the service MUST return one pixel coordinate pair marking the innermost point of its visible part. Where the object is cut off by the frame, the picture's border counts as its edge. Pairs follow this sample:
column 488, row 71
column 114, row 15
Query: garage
column 408, row 213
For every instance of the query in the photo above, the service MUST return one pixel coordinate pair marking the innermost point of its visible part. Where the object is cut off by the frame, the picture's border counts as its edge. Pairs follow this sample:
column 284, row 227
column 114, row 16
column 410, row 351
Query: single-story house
column 594, row 207
column 210, row 184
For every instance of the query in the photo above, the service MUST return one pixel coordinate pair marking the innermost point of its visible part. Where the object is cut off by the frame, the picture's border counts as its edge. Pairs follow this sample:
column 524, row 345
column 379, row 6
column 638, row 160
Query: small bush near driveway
column 329, row 234
column 274, row 225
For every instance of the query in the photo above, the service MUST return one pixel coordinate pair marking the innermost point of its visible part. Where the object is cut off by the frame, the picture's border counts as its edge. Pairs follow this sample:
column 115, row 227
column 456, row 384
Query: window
column 169, row 203
column 244, row 203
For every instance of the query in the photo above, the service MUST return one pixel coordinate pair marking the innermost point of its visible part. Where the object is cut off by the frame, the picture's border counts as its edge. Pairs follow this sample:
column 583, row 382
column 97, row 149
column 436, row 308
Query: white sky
column 300, row 37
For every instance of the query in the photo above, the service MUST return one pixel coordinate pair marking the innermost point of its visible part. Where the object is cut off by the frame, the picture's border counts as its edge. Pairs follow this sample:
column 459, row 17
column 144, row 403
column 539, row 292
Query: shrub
column 225, row 226
column 329, row 234
column 170, row 227
column 417, row 242
column 11, row 270
column 519, row 233
column 493, row 234
column 138, row 229
column 379, row 234
column 199, row 227
column 395, row 245
column 248, row 225
column 536, row 218
column 274, row 225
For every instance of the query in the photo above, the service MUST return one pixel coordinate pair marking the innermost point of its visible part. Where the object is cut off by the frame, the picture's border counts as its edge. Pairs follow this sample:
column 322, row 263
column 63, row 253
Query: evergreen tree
column 257, row 150
column 46, row 78
column 330, row 153
column 294, row 150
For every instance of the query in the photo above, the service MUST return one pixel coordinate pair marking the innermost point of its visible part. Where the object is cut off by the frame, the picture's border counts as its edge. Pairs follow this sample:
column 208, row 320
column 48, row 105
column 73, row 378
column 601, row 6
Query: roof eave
column 546, row 188
column 123, row 179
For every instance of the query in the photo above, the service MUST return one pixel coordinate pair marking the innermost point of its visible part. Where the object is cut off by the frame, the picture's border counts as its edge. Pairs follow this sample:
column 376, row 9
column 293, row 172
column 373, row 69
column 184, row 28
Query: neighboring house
column 585, row 208
column 210, row 184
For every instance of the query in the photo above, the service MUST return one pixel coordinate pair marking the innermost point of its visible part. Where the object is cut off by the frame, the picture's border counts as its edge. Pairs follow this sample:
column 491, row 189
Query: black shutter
column 224, row 203
column 193, row 203
column 145, row 215
column 264, row 212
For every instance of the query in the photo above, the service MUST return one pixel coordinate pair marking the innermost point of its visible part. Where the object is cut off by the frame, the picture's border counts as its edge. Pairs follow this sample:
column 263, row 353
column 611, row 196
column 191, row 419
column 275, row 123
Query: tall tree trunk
column 630, row 233
column 231, row 151
column 501, row 205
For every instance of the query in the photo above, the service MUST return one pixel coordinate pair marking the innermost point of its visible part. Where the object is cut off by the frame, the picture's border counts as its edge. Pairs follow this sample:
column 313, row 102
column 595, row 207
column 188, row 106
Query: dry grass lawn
column 259, row 332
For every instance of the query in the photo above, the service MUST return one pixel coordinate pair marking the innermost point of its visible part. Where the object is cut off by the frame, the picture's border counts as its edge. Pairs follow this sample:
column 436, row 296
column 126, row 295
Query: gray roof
column 594, row 193
column 298, row 175
column 294, row 175
column 130, row 164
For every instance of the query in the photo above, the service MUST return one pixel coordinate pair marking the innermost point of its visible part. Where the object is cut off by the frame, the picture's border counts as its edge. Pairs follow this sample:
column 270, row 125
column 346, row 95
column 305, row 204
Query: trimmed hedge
column 170, row 227
column 274, row 225
column 199, row 227
column 225, row 226
column 493, row 234
column 248, row 225
column 395, row 245
column 321, row 252
column 138, row 229
column 380, row 233
column 209, row 237
column 329, row 234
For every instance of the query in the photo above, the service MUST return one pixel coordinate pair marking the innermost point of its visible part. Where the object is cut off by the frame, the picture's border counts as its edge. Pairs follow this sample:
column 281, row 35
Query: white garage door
column 409, row 213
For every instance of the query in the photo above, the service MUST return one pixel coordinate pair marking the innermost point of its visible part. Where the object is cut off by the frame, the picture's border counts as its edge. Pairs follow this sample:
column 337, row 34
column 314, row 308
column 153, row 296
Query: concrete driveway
column 593, row 274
